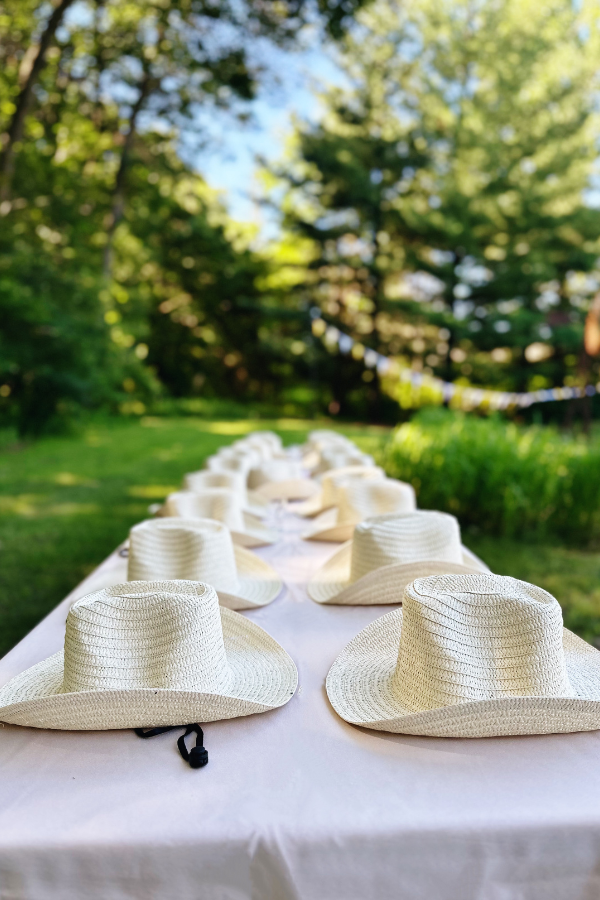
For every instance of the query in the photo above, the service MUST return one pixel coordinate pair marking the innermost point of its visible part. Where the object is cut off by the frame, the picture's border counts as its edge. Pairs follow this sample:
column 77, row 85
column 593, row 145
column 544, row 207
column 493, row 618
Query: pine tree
column 444, row 191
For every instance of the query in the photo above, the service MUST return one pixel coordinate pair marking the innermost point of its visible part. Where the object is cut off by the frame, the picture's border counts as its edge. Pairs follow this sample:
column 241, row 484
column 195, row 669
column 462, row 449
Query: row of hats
column 155, row 652
column 392, row 542
column 470, row 654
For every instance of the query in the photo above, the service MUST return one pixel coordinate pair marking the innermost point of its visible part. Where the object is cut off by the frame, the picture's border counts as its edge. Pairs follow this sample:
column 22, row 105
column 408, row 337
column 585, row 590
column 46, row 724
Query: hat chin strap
column 197, row 756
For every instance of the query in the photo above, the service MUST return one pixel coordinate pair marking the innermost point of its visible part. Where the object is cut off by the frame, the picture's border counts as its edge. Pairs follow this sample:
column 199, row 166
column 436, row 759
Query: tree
column 444, row 191
column 94, row 106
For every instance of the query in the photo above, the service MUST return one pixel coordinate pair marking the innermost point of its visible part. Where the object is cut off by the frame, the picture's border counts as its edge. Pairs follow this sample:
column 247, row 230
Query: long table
column 295, row 804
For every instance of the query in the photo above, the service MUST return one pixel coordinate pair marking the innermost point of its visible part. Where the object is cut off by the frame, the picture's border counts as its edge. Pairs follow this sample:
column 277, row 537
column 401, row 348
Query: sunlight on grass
column 151, row 491
column 33, row 506
column 21, row 504
column 69, row 509
column 69, row 479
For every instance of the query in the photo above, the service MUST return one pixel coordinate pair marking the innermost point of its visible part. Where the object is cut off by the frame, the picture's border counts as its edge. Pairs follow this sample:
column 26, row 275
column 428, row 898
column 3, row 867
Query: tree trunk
column 118, row 201
column 17, row 124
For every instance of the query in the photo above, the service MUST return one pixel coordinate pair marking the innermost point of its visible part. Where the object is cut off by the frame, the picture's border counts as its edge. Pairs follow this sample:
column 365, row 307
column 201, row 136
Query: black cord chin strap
column 197, row 756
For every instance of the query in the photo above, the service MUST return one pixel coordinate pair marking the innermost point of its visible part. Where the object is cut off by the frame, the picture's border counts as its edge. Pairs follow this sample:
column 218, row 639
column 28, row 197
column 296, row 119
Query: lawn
column 65, row 502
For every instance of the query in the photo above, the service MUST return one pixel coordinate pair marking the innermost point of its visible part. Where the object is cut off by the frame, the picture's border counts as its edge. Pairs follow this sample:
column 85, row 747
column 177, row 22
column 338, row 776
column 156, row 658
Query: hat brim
column 264, row 677
column 256, row 505
column 326, row 529
column 255, row 534
column 312, row 507
column 259, row 583
column 331, row 584
column 360, row 687
column 291, row 489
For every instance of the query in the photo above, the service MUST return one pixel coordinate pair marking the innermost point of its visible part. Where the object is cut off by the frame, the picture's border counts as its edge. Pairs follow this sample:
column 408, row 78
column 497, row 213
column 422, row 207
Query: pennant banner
column 465, row 396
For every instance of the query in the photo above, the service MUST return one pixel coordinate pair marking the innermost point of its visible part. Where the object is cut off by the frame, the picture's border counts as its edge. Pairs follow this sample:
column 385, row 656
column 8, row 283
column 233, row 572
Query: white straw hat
column 234, row 481
column 360, row 499
column 224, row 506
column 469, row 656
column 232, row 460
column 388, row 552
column 148, row 654
column 322, row 440
column 261, row 443
column 260, row 449
column 281, row 479
column 267, row 437
column 201, row 550
column 331, row 481
column 336, row 458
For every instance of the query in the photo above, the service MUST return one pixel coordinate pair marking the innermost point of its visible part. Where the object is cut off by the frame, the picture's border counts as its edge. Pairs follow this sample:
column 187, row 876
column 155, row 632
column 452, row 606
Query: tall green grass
column 502, row 478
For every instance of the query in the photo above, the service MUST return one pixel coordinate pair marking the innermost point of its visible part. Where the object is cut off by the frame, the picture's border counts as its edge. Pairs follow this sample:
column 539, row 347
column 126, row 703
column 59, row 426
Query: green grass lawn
column 66, row 502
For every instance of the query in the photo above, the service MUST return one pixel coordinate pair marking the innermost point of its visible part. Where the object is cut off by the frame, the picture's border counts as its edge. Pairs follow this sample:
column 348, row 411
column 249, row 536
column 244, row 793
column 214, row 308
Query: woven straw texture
column 469, row 656
column 331, row 482
column 151, row 653
column 387, row 553
column 232, row 461
column 339, row 456
column 201, row 550
column 294, row 489
column 361, row 499
column 233, row 481
column 280, row 479
column 225, row 506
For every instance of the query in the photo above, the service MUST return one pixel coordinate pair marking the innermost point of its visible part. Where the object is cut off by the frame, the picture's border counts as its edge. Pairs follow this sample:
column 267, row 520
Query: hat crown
column 188, row 549
column 478, row 637
column 221, row 504
column 333, row 480
column 256, row 447
column 163, row 634
column 360, row 499
column 198, row 481
column 231, row 461
column 404, row 538
column 274, row 470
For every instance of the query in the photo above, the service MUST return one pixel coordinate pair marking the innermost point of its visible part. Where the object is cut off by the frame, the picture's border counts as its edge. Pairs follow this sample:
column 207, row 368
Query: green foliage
column 504, row 479
column 121, row 276
column 444, row 190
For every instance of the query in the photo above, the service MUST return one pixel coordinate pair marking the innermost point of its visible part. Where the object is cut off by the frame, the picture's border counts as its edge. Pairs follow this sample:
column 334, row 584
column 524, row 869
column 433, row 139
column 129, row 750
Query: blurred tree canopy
column 120, row 275
column 443, row 192
column 439, row 209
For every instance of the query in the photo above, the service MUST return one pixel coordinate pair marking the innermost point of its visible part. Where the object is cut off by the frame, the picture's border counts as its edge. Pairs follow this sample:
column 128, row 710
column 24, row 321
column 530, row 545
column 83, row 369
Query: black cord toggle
column 197, row 756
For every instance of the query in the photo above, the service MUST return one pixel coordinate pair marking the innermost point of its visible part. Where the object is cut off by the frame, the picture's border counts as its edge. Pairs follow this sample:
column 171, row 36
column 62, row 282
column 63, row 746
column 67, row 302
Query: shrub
column 497, row 476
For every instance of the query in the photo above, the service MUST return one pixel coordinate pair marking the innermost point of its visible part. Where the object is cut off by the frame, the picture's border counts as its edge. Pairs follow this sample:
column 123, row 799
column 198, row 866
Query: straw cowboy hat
column 360, row 499
column 321, row 438
column 269, row 445
column 330, row 485
column 388, row 552
column 233, row 460
column 469, row 656
column 234, row 481
column 336, row 458
column 320, row 441
column 281, row 479
column 224, row 506
column 154, row 653
column 269, row 438
column 201, row 550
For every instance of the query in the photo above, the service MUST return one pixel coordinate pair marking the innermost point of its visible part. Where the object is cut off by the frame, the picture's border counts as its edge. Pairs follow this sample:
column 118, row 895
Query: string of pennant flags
column 465, row 396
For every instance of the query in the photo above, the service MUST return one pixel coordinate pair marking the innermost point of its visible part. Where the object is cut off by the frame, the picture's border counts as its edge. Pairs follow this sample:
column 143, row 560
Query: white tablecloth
column 295, row 804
